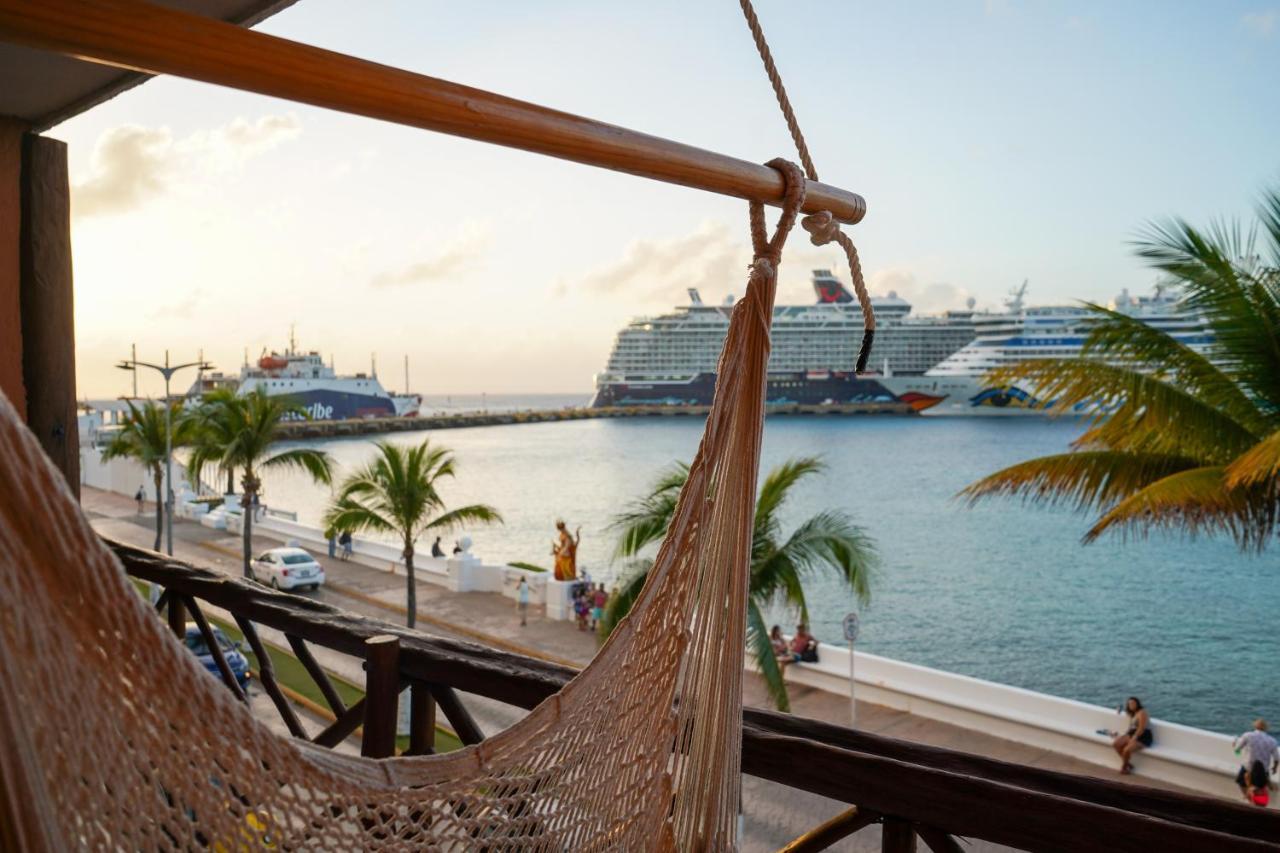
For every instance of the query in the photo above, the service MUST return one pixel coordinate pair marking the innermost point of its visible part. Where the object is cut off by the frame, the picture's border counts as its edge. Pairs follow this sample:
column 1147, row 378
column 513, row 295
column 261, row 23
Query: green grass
column 292, row 674
column 528, row 567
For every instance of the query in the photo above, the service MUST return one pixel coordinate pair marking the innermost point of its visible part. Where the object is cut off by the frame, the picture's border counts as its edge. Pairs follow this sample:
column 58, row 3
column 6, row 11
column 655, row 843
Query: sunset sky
column 994, row 142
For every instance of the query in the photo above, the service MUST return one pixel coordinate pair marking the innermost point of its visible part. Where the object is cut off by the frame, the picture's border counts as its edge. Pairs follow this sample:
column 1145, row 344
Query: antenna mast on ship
column 293, row 341
column 373, row 365
column 406, row 373
column 1014, row 302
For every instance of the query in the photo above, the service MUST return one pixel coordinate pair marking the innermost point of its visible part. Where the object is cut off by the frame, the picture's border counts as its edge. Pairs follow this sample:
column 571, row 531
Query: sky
column 994, row 142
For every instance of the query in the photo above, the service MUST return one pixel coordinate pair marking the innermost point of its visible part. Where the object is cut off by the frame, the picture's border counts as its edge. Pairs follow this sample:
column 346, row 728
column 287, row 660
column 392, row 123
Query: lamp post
column 166, row 370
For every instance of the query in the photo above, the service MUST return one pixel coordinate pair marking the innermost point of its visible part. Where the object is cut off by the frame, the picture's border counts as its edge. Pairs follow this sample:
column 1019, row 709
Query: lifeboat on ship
column 273, row 362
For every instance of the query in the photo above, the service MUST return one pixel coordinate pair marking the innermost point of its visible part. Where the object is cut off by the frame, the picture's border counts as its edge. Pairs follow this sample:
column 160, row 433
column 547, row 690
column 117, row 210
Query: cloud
column 183, row 309
column 458, row 255
column 132, row 165
column 1261, row 24
column 660, row 270
column 931, row 298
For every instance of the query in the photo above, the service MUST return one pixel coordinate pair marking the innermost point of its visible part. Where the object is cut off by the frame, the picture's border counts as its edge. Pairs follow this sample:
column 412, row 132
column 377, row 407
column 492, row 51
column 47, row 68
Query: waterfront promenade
column 774, row 814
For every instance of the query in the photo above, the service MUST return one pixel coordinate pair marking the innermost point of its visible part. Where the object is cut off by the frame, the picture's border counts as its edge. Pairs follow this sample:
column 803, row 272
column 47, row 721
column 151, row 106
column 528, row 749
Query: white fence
column 1193, row 758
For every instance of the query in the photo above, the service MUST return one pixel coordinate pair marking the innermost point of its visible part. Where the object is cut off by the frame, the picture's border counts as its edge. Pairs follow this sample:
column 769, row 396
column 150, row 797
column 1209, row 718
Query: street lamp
column 166, row 370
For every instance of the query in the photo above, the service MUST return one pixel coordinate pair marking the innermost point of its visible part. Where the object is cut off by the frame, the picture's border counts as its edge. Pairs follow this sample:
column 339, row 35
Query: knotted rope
column 822, row 226
column 766, row 251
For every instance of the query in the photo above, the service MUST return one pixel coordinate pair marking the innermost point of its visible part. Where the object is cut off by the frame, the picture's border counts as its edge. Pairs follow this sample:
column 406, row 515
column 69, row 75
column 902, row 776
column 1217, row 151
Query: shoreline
column 1184, row 757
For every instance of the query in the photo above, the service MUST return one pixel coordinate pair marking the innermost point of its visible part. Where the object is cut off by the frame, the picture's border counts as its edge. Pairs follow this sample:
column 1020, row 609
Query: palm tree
column 211, row 434
column 779, row 564
column 396, row 493
column 250, row 425
column 1178, row 440
column 142, row 437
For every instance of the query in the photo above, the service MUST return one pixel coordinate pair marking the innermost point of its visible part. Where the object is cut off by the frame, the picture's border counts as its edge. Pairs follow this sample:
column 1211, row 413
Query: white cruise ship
column 313, row 386
column 671, row 359
column 955, row 385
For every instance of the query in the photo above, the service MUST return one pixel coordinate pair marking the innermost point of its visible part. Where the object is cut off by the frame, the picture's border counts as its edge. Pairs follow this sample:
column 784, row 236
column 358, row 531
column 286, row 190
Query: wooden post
column 48, row 318
column 11, row 133
column 381, row 694
column 422, row 719
column 897, row 836
column 177, row 617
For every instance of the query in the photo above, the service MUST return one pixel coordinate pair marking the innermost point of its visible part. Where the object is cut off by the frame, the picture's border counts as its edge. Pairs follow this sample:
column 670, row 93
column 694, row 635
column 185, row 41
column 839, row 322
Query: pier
column 376, row 426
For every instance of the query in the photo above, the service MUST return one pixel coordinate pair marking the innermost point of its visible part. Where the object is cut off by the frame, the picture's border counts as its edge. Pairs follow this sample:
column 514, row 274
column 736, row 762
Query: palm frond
column 1219, row 269
column 464, row 515
column 356, row 517
column 628, row 591
column 831, row 541
column 761, row 649
column 1193, row 502
column 1269, row 215
column 778, row 484
column 776, row 582
column 645, row 521
column 317, row 463
column 1132, row 410
column 1258, row 465
column 1121, row 338
column 1081, row 480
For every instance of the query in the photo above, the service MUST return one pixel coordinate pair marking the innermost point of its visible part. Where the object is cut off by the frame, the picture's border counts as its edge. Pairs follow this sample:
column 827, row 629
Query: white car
column 287, row 568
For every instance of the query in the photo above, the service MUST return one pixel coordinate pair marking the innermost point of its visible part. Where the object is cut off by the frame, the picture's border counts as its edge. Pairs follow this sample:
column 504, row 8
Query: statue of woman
column 565, row 550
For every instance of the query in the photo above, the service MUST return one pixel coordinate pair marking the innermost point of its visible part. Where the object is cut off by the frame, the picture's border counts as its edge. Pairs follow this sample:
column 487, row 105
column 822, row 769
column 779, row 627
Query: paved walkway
column 774, row 814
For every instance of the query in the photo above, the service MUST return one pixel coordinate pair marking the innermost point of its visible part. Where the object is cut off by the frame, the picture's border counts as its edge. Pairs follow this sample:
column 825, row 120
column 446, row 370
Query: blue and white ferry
column 313, row 386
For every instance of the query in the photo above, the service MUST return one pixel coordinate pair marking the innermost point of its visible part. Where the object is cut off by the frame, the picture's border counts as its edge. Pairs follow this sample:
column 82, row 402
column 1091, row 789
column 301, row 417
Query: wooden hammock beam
column 142, row 36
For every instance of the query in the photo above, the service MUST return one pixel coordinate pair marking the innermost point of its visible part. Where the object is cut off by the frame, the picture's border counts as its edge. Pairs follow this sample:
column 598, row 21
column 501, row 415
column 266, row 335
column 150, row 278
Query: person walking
column 522, row 600
column 332, row 536
column 1137, row 737
column 1260, row 759
column 141, row 498
column 348, row 548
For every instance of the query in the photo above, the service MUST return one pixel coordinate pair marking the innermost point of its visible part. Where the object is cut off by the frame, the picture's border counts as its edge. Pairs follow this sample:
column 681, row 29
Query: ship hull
column 939, row 396
column 330, row 405
column 782, row 389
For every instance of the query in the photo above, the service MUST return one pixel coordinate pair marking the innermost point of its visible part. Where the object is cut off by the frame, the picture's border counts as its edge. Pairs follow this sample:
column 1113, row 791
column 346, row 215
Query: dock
column 377, row 426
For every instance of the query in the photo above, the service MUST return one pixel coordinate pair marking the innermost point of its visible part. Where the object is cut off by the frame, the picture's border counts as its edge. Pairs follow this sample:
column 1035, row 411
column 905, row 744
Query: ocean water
column 1001, row 591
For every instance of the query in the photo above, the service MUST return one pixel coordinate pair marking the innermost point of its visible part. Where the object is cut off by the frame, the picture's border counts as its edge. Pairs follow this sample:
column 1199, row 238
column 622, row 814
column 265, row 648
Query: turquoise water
column 1001, row 591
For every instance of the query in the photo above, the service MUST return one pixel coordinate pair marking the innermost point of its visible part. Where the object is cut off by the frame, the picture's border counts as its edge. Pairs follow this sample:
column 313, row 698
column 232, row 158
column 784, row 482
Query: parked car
column 230, row 651
column 287, row 568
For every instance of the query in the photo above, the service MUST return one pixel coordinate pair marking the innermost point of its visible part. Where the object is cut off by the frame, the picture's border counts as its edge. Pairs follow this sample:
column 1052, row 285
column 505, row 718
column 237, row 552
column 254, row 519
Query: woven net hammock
column 115, row 737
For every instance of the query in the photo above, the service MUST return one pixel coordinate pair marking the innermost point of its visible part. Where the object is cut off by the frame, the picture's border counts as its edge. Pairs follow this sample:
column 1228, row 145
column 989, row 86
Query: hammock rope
column 822, row 227
column 115, row 736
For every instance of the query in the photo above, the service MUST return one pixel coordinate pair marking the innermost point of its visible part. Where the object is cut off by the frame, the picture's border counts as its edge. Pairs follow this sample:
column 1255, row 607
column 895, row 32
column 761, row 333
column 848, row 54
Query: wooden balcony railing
column 914, row 792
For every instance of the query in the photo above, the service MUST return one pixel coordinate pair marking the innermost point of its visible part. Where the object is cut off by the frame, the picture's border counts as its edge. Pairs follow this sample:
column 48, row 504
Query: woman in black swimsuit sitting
column 1137, row 737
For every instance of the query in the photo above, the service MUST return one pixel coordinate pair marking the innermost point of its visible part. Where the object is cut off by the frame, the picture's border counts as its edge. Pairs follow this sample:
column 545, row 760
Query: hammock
column 118, row 738
column 115, row 737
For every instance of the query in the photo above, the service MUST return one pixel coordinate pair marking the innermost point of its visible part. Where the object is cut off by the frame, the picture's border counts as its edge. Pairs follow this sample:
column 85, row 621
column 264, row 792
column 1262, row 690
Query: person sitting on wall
column 1260, row 758
column 804, row 647
column 1138, row 735
column 436, row 550
column 780, row 649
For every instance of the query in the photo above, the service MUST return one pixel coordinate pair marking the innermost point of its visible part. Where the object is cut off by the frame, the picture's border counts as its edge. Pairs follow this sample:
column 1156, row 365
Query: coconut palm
column 142, row 437
column 397, row 493
column 779, row 563
column 211, row 434
column 1177, row 440
column 250, row 427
